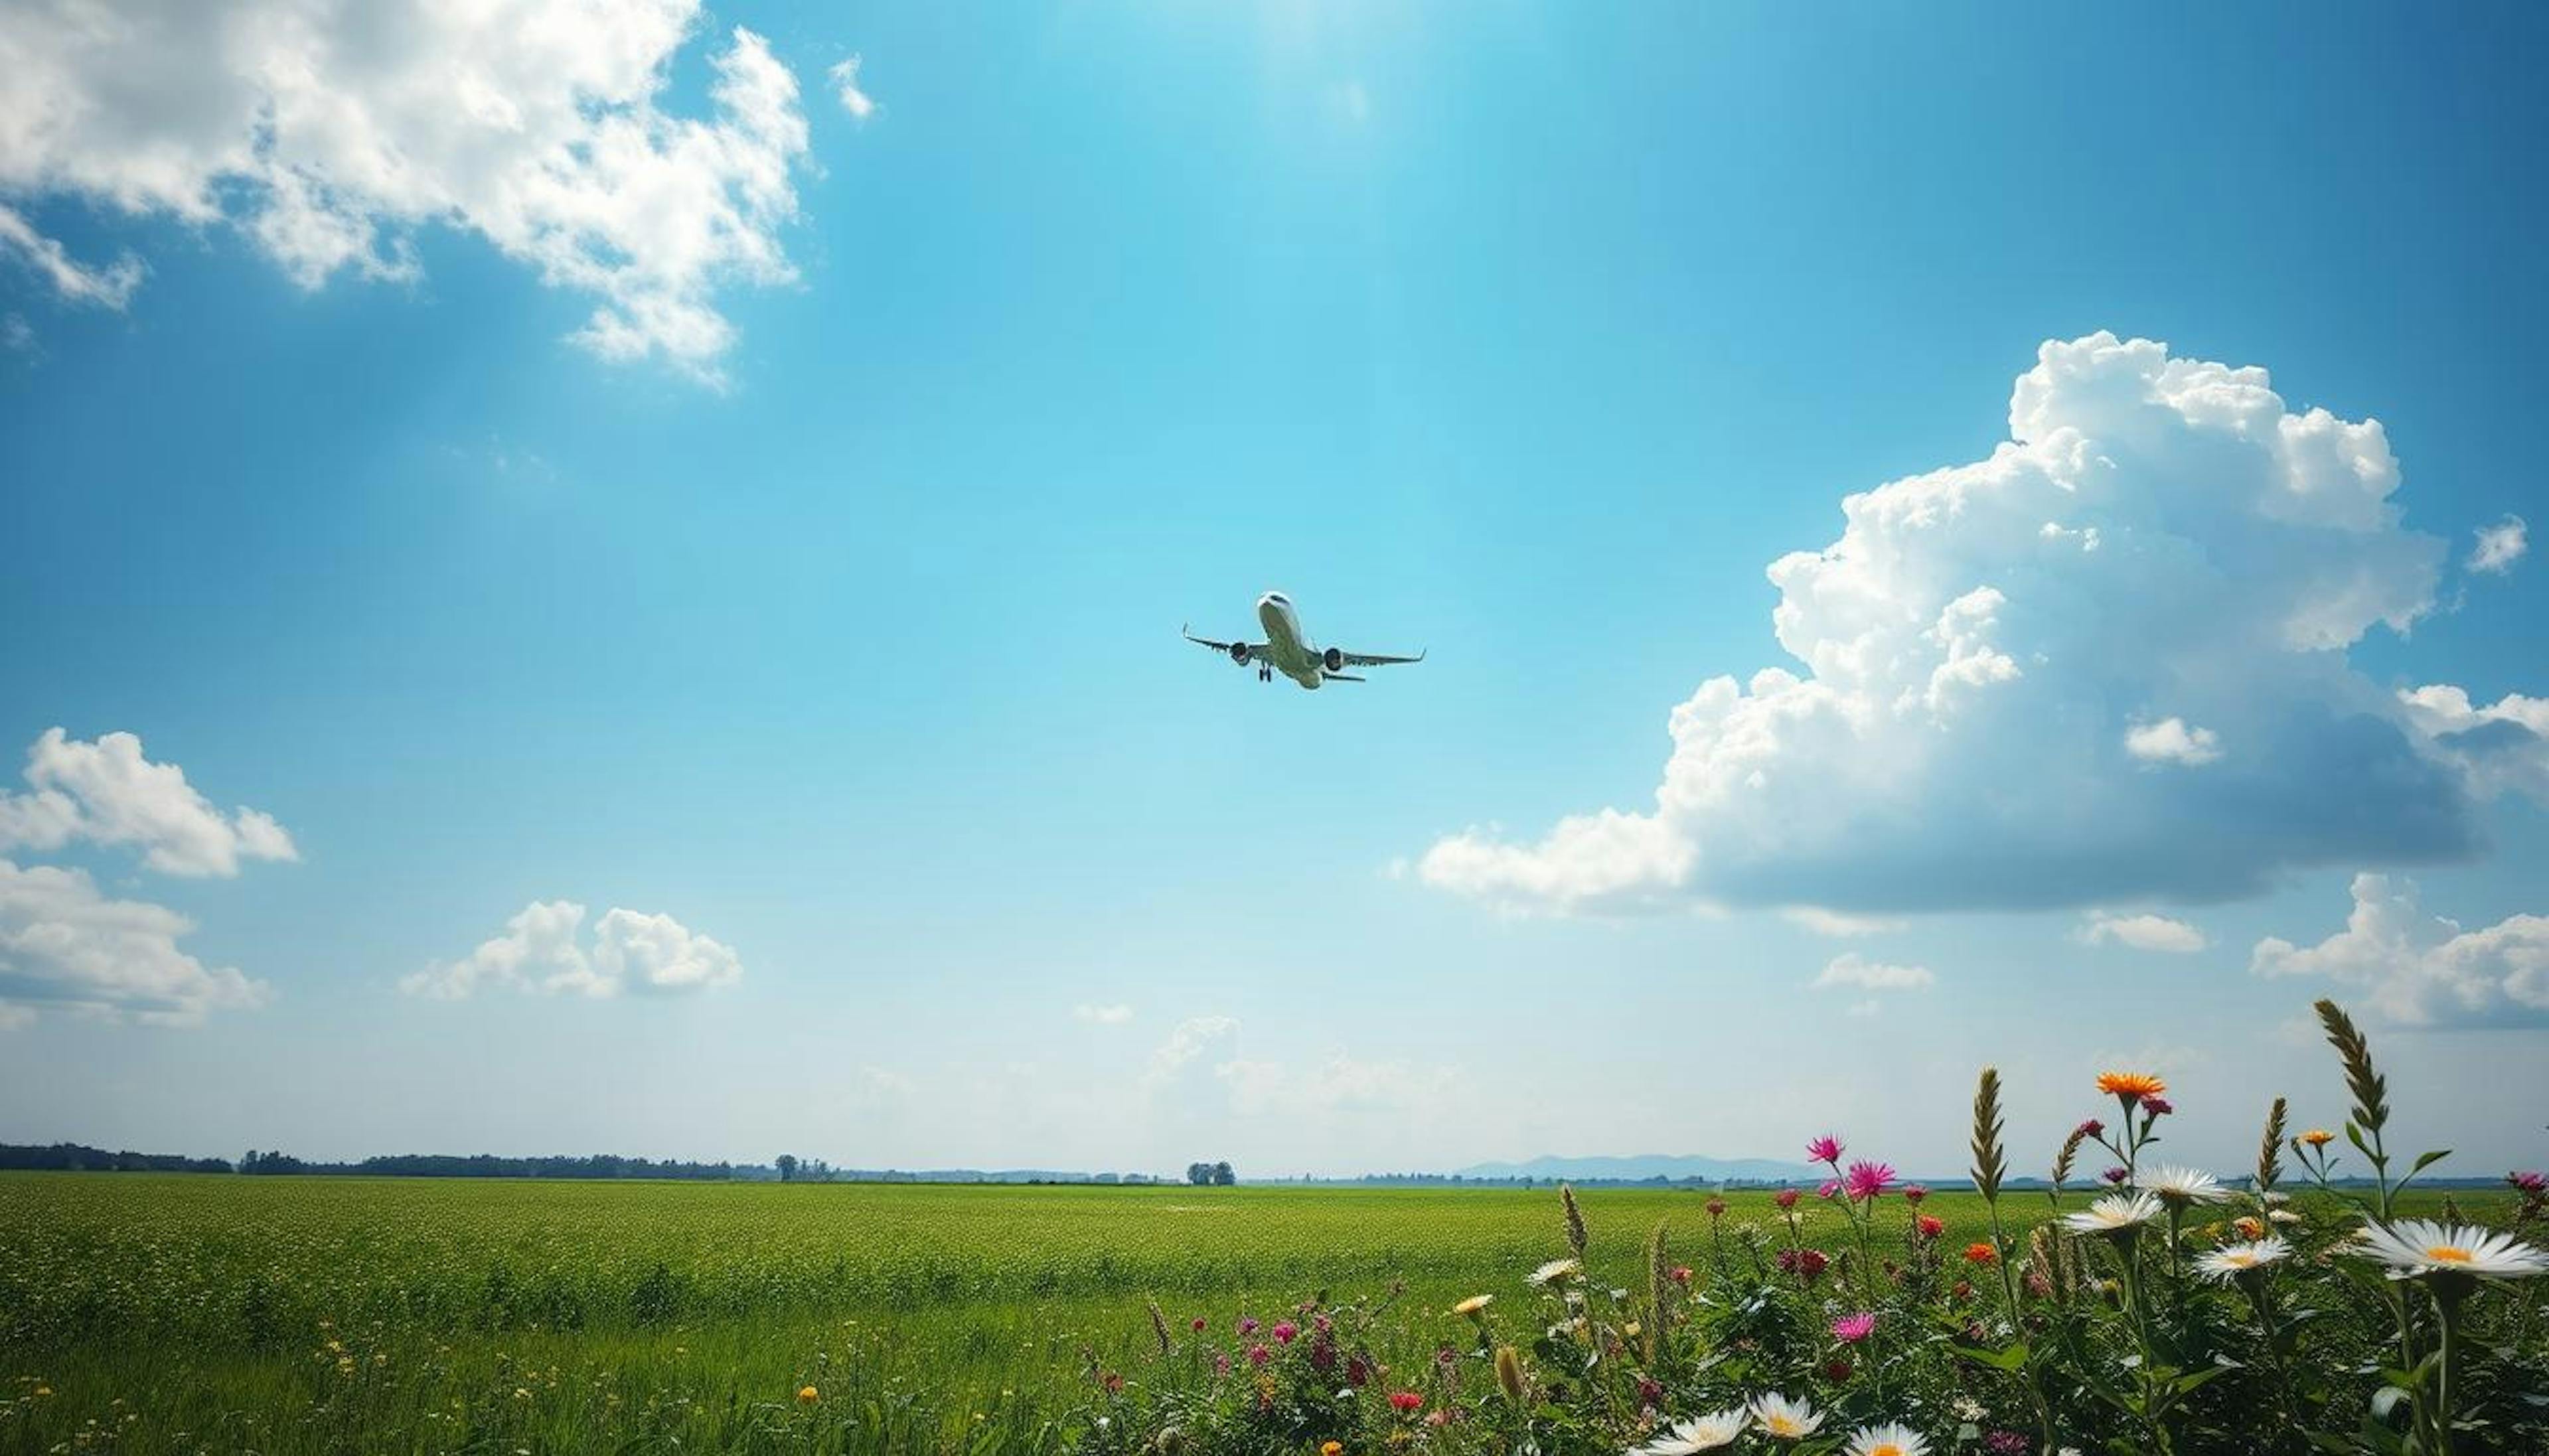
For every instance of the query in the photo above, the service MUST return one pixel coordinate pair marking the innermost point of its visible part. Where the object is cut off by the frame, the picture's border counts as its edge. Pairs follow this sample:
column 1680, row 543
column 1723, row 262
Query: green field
column 182, row 1313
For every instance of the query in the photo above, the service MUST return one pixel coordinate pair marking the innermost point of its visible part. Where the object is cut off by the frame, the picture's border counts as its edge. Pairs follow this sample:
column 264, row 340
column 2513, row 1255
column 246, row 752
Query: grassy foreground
column 181, row 1313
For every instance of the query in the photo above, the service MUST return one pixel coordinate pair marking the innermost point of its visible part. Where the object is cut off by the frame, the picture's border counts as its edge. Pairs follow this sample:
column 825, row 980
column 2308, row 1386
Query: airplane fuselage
column 1288, row 650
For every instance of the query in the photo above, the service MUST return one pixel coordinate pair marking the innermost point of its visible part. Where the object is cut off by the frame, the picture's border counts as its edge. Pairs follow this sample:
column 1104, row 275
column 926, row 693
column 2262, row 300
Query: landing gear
column 1265, row 674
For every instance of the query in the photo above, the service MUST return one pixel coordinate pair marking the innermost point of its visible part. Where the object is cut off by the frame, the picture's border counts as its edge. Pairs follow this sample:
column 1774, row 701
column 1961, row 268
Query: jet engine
column 1238, row 652
column 1335, row 658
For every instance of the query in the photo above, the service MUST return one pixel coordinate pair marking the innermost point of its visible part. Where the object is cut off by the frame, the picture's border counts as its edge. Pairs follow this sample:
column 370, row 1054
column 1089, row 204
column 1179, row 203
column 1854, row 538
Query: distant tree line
column 72, row 1157
column 488, row 1165
column 1212, row 1175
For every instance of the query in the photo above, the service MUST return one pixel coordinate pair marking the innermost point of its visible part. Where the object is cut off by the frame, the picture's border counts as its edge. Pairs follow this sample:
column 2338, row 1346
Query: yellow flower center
column 1885, row 1449
column 2448, row 1254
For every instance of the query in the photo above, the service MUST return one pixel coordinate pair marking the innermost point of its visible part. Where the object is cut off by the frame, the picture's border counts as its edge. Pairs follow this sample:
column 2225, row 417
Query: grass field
column 181, row 1313
column 169, row 1312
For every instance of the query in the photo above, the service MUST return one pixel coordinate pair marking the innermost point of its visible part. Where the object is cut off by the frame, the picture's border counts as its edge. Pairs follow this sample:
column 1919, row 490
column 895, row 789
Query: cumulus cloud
column 1189, row 1040
column 65, row 947
column 329, row 132
column 107, row 792
column 2500, row 546
column 544, row 948
column 1849, row 968
column 2425, row 970
column 845, row 82
column 2500, row 747
column 2141, row 932
column 2170, row 741
column 1995, row 659
column 1104, row 1016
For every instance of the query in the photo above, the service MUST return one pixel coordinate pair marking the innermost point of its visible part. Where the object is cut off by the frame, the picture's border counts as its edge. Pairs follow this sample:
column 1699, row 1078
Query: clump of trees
column 1210, row 1175
column 74, row 1158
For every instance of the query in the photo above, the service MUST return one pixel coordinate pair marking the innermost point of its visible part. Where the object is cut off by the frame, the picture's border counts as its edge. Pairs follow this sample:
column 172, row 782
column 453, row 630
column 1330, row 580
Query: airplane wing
column 1237, row 652
column 1375, row 660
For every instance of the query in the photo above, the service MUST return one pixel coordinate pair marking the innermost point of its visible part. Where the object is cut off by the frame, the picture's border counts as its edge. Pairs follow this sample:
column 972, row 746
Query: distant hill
column 1670, row 1167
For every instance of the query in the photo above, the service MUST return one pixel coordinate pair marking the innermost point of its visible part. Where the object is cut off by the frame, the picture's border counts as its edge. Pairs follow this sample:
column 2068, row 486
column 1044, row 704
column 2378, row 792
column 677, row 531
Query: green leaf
column 2427, row 1160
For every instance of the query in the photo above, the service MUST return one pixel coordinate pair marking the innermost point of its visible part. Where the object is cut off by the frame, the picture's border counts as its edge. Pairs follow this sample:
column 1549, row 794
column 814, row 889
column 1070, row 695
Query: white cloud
column 330, row 131
column 2500, row 546
column 1849, row 968
column 2141, row 932
column 106, row 792
column 110, row 286
column 845, row 80
column 2170, row 741
column 2159, row 537
column 1189, row 1040
column 2422, row 971
column 1104, row 1016
column 2499, row 748
column 1835, row 924
column 65, row 947
column 1338, row 1084
column 543, row 948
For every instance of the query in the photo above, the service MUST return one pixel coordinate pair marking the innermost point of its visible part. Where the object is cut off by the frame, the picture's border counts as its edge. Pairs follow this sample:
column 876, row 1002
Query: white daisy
column 1785, row 1418
column 2281, row 1215
column 2231, row 1261
column 1699, row 1434
column 2420, row 1246
column 1555, row 1271
column 2116, row 1212
column 1893, row 1439
column 2179, row 1186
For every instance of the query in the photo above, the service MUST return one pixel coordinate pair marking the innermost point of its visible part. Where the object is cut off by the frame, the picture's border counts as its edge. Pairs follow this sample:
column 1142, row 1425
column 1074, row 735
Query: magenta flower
column 2533, row 1183
column 1850, row 1330
column 1866, row 1180
column 2115, row 1176
column 1825, row 1149
column 2092, row 1128
column 1831, row 1186
column 1284, row 1330
column 1258, row 1354
column 1915, row 1191
column 2158, row 1107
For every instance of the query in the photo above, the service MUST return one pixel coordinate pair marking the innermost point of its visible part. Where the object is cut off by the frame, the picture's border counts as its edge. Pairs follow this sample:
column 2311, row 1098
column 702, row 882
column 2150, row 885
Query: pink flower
column 1681, row 1273
column 1284, row 1330
column 1258, row 1354
column 2158, row 1107
column 1786, row 1198
column 1866, row 1180
column 1913, row 1193
column 1850, row 1330
column 1831, row 1186
column 1825, row 1149
column 2531, row 1183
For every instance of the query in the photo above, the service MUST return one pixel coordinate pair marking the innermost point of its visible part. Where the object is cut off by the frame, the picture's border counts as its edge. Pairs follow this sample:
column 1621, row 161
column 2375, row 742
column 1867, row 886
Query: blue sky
column 787, row 535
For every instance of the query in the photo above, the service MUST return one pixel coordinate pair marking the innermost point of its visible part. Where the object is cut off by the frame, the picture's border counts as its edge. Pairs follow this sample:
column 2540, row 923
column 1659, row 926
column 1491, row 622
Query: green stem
column 2149, row 1373
column 2447, row 1314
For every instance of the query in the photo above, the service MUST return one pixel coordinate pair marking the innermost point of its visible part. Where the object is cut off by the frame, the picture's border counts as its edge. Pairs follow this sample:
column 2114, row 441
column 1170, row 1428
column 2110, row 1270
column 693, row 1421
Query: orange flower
column 1980, row 1253
column 2249, row 1229
column 809, row 1395
column 2319, row 1137
column 1330, row 1448
column 2131, row 1086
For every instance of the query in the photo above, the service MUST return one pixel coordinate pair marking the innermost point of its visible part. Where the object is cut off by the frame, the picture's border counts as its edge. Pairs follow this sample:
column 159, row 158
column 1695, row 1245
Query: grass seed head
column 2270, row 1153
column 2371, row 1090
column 1576, row 1234
column 1989, row 1164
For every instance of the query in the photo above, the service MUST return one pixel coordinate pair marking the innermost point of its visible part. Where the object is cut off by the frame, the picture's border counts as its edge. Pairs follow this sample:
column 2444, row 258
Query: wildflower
column 2090, row 1127
column 2115, row 1177
column 1850, row 1330
column 1979, row 1253
column 1555, row 1271
column 1913, row 1193
column 1406, row 1400
column 1784, row 1419
column 1829, row 1187
column 1865, row 1180
column 1247, row 1324
column 2249, row 1228
column 1285, row 1331
column 1825, row 1149
column 1331, row 1448
column 1716, row 1208
column 1681, row 1273
column 1836, row 1371
column 2117, row 1214
column 808, row 1396
column 1893, row 1439
column 2133, row 1087
column 1785, row 1198
column 2317, row 1138
column 1509, row 1374
column 1930, row 1225
column 2007, row 1443
column 2231, row 1261
column 2179, row 1186
column 1700, row 1434
column 2417, row 1247
column 1258, row 1354
column 2281, row 1215
column 1474, row 1306
column 2531, row 1184
column 1962, row 1291
column 2158, row 1107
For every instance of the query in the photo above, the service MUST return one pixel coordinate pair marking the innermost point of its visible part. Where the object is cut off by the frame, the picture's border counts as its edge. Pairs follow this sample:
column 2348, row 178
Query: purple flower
column 1247, row 1324
column 2157, row 1107
column 1850, row 1330
column 2115, row 1176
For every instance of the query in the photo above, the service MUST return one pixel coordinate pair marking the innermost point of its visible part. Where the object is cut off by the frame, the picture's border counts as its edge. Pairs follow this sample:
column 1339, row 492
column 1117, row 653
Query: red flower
column 1681, row 1273
column 1979, row 1253
column 1406, row 1400
column 1915, row 1191
column 1716, row 1208
column 1786, row 1198
column 1836, row 1371
column 1930, row 1226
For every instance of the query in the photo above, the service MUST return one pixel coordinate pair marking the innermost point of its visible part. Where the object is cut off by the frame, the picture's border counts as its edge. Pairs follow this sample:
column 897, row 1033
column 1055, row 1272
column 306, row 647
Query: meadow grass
column 173, row 1312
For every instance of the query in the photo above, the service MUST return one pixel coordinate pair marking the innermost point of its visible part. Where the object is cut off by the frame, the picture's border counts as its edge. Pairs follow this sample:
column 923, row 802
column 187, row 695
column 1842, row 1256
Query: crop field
column 181, row 1313
column 164, row 1313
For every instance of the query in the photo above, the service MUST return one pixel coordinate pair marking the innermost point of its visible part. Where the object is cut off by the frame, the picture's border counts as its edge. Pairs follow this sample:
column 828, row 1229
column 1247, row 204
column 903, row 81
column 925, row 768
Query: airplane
column 1286, row 651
